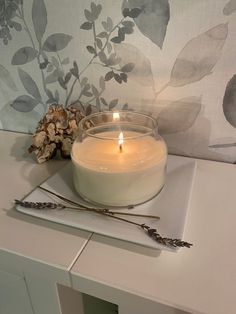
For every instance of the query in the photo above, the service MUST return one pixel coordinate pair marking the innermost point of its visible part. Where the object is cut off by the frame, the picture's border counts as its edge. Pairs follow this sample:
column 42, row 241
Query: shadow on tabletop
column 108, row 241
column 14, row 214
column 30, row 169
column 125, row 245
column 19, row 149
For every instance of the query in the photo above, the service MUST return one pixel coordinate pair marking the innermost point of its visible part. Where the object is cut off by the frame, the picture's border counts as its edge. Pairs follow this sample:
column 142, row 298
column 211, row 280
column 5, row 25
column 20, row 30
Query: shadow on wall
column 11, row 119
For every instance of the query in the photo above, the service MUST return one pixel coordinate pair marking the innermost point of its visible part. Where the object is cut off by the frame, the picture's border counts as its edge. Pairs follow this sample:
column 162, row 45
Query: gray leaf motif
column 153, row 20
column 229, row 102
column 65, row 61
column 53, row 77
column 24, row 103
column 39, row 17
column 102, row 83
column 199, row 56
column 179, row 115
column 230, row 7
column 56, row 42
column 29, row 84
column 113, row 103
column 142, row 71
column 94, row 13
column 6, row 78
column 24, row 55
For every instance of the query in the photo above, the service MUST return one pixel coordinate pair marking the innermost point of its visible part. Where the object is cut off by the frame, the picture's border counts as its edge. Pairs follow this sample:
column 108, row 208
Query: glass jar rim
column 96, row 114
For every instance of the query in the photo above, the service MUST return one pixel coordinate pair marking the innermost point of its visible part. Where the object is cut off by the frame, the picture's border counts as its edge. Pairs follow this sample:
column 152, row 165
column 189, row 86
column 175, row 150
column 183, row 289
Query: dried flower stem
column 62, row 197
column 96, row 209
column 151, row 232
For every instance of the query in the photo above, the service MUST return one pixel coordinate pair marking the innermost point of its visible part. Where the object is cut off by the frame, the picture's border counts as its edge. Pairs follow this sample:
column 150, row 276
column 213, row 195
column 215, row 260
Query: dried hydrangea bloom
column 55, row 132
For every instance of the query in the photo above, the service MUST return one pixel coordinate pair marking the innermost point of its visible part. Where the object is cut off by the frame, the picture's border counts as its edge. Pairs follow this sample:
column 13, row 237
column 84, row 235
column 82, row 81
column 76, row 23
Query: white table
column 140, row 280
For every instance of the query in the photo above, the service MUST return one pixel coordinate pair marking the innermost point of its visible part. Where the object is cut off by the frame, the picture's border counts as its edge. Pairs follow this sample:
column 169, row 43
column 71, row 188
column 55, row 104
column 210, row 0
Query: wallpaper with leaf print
column 172, row 59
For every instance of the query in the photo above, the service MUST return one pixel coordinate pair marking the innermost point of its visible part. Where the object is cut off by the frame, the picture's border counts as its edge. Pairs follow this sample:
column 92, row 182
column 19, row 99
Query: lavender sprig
column 50, row 205
column 40, row 205
column 165, row 241
column 152, row 233
column 156, row 236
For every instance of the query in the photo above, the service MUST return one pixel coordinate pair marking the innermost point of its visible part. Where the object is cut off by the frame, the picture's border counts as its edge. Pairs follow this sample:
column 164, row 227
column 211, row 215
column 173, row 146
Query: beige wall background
column 172, row 59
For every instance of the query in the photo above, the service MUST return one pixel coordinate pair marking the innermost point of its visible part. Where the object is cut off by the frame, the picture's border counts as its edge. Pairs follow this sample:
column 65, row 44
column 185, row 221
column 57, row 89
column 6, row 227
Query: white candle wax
column 106, row 174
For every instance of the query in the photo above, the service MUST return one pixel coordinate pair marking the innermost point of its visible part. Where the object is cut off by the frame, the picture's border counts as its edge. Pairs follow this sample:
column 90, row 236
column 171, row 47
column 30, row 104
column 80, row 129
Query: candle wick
column 120, row 141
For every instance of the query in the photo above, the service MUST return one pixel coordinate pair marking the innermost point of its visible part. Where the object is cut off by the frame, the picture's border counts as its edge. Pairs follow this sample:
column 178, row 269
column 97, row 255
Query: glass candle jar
column 118, row 158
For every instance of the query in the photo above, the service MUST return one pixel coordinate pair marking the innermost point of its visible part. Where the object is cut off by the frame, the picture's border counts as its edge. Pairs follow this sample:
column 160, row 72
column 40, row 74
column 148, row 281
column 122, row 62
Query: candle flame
column 116, row 116
column 121, row 141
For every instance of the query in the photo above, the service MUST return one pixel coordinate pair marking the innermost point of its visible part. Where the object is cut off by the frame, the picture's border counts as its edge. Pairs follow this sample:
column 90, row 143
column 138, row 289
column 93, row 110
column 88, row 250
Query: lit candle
column 118, row 168
column 121, row 141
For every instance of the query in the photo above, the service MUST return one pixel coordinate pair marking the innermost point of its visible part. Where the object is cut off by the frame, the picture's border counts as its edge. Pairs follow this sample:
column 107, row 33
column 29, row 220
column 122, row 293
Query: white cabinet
column 14, row 298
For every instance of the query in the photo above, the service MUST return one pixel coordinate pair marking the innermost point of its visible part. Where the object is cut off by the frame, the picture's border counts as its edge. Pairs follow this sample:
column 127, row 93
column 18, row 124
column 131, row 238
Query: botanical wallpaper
column 172, row 59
